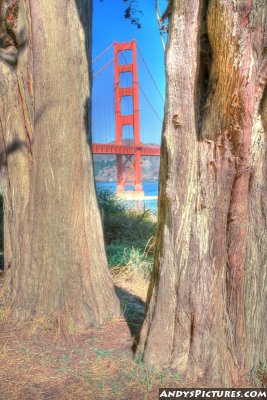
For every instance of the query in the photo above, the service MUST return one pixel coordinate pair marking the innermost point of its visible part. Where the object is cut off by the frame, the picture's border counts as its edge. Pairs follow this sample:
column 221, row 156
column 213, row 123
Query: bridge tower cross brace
column 128, row 172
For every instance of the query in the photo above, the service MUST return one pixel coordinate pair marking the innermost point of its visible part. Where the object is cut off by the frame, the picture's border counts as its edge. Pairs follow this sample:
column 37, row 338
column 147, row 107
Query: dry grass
column 97, row 364
column 131, row 280
column 39, row 364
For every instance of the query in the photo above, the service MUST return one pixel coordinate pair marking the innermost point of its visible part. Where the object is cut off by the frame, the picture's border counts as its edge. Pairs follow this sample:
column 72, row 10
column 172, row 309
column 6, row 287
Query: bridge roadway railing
column 100, row 148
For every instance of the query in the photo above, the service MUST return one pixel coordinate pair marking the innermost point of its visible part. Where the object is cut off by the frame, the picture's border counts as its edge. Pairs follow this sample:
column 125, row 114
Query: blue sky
column 109, row 25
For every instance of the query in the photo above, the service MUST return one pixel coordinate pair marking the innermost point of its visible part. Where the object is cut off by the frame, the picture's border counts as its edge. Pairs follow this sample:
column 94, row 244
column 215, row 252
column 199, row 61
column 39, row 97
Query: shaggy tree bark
column 207, row 303
column 57, row 264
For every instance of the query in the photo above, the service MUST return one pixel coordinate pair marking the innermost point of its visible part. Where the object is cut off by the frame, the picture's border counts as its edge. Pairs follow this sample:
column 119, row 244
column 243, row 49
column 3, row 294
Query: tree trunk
column 207, row 301
column 58, row 269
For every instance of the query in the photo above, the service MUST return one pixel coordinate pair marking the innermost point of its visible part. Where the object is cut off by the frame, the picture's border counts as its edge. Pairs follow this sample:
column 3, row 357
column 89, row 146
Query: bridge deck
column 100, row 148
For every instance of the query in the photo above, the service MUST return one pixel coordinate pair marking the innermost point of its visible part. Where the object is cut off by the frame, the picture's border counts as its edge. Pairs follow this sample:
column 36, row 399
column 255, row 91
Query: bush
column 126, row 233
column 110, row 204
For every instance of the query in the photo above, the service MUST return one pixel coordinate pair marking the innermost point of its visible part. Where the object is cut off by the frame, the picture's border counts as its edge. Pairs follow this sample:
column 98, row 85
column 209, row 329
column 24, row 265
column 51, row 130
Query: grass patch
column 102, row 353
column 129, row 240
column 128, row 234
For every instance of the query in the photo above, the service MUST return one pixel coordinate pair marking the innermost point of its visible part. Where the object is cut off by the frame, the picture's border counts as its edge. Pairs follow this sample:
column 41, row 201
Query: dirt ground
column 95, row 364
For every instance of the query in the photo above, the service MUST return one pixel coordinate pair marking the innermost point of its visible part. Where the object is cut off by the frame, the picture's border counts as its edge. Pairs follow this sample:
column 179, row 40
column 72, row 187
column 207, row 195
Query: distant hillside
column 106, row 169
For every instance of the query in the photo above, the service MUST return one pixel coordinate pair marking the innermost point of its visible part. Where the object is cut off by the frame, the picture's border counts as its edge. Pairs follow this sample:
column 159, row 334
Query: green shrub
column 140, row 261
column 116, row 254
column 110, row 204
column 126, row 233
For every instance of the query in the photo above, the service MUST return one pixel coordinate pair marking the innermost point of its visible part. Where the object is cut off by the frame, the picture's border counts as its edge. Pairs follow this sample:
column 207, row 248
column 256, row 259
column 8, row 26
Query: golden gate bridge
column 119, row 125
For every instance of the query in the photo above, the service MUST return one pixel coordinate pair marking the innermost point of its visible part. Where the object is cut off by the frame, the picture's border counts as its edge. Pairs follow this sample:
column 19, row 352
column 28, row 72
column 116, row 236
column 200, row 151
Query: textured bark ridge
column 54, row 241
column 207, row 302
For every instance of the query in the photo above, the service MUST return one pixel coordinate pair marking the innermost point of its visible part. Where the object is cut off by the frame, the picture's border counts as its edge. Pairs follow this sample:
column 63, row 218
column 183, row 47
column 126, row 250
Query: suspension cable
column 104, row 67
column 103, row 52
column 152, row 108
column 151, row 76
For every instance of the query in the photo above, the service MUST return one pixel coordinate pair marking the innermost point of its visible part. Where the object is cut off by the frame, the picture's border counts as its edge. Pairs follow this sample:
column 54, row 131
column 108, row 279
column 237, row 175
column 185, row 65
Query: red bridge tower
column 128, row 166
column 128, row 155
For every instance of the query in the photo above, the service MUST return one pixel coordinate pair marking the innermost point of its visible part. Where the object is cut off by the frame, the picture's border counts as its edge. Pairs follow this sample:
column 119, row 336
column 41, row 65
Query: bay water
column 150, row 188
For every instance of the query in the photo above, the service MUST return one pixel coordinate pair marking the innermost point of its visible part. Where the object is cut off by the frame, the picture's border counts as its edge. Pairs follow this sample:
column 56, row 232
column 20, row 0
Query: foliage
column 132, row 12
column 110, row 204
column 126, row 233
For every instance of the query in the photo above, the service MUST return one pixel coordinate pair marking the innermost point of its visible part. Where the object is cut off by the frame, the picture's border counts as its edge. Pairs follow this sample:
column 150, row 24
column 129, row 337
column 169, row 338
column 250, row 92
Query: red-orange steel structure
column 103, row 148
column 128, row 156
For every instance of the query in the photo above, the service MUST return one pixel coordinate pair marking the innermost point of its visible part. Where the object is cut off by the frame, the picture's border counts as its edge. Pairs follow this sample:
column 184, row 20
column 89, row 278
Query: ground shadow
column 132, row 308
